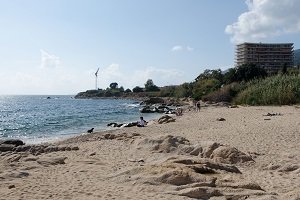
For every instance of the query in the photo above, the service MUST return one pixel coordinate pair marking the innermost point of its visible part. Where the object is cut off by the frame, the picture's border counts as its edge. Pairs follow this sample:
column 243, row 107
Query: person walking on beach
column 141, row 123
column 179, row 111
column 198, row 106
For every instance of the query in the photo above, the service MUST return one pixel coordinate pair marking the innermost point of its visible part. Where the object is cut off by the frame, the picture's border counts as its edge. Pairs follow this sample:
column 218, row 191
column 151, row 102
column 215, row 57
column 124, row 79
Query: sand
column 248, row 155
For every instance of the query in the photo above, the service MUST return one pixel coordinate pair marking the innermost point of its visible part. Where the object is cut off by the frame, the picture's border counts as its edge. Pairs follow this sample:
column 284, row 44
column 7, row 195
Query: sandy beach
column 249, row 154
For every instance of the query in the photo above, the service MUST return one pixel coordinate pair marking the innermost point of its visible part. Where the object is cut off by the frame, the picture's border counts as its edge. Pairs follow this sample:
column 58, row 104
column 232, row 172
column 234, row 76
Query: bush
column 224, row 94
column 204, row 87
column 275, row 90
column 180, row 91
column 137, row 89
column 167, row 91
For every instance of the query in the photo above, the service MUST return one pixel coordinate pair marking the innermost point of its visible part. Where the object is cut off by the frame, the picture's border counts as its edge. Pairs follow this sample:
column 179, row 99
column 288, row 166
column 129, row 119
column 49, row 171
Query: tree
column 150, row 87
column 211, row 74
column 113, row 85
column 128, row 90
column 229, row 76
column 121, row 89
column 248, row 72
column 137, row 89
column 183, row 90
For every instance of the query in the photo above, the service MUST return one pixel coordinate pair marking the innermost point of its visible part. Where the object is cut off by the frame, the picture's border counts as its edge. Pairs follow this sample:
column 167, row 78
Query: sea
column 38, row 119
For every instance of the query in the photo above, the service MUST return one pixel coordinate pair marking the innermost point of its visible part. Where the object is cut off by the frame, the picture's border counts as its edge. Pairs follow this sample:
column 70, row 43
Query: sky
column 55, row 46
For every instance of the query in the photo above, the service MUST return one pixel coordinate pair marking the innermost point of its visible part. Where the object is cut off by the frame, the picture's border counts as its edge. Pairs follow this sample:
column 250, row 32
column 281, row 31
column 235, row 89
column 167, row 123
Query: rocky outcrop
column 206, row 170
column 14, row 142
column 227, row 154
column 161, row 105
column 7, row 147
column 120, row 136
column 10, row 144
column 35, row 149
column 193, row 177
column 156, row 109
column 166, row 119
column 163, row 144
column 176, row 144
column 115, row 124
column 51, row 161
column 154, row 100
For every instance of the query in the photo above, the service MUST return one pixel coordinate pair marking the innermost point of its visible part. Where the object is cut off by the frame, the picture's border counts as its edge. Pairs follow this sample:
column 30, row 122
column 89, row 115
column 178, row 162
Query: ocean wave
column 131, row 105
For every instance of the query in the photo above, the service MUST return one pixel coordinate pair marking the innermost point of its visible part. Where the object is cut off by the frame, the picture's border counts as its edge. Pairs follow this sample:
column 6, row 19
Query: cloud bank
column 266, row 18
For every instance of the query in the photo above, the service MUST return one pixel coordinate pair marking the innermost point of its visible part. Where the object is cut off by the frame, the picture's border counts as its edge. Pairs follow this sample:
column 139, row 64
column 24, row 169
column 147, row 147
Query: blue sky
column 55, row 46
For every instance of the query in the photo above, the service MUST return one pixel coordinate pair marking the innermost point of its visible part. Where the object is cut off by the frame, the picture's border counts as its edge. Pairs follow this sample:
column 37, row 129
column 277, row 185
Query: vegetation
column 247, row 84
column 113, row 85
column 275, row 90
column 224, row 94
column 150, row 87
column 204, row 87
column 249, row 72
column 137, row 89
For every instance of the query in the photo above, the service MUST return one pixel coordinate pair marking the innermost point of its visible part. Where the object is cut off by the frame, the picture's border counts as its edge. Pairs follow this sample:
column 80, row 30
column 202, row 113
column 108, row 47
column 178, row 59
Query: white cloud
column 182, row 48
column 48, row 60
column 265, row 18
column 177, row 48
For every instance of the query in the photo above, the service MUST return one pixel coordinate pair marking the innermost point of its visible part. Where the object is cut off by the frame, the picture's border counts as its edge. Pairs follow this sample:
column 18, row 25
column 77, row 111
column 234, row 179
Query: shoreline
column 140, row 163
column 61, row 137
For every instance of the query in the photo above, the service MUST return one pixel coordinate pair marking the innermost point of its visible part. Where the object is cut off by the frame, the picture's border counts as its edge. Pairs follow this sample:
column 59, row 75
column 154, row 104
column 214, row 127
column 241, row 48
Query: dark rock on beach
column 6, row 147
column 10, row 144
column 154, row 100
column 37, row 149
column 165, row 119
column 115, row 124
column 14, row 142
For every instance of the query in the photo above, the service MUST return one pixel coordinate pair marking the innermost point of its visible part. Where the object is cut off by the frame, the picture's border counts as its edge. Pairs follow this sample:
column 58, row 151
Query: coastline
column 32, row 118
column 131, row 163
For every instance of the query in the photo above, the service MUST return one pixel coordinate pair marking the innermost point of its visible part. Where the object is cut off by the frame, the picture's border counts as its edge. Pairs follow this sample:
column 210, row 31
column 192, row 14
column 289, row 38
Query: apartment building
column 270, row 56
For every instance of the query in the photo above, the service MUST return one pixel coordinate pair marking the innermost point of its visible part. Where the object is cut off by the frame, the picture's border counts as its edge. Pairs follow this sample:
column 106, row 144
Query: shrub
column 137, row 89
column 167, row 91
column 275, row 90
column 224, row 94
column 204, row 87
